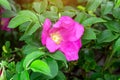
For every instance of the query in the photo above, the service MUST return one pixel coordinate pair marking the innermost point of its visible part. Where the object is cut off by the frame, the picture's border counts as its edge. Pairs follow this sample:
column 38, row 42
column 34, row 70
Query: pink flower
column 4, row 21
column 64, row 35
column 4, row 24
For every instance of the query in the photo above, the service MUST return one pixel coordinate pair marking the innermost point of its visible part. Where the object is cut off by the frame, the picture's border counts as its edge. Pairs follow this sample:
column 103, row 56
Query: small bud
column 2, row 74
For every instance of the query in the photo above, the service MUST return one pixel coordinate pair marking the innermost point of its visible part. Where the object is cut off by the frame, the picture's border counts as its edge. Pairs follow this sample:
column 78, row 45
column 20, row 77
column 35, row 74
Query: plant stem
column 108, row 61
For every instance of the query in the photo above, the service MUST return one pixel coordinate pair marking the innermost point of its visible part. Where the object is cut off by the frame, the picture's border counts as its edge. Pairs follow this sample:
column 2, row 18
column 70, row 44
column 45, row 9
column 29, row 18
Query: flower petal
column 68, row 28
column 65, row 22
column 79, row 30
column 57, row 24
column 46, row 27
column 71, row 49
column 51, row 45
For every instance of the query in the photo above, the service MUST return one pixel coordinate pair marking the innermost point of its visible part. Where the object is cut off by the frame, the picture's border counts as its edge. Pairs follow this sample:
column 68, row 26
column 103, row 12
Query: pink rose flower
column 65, row 35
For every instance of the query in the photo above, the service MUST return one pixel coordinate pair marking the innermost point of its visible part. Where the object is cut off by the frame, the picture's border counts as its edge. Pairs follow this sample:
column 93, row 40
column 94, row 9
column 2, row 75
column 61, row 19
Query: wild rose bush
column 59, row 39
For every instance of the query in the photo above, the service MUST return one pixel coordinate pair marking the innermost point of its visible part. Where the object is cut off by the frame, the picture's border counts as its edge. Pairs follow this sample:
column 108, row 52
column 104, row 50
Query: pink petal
column 51, row 45
column 69, row 29
column 65, row 22
column 79, row 30
column 57, row 24
column 71, row 49
column 46, row 27
column 44, row 37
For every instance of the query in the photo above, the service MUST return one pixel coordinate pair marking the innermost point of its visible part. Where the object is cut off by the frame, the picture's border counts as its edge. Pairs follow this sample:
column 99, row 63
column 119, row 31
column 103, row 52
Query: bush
column 59, row 39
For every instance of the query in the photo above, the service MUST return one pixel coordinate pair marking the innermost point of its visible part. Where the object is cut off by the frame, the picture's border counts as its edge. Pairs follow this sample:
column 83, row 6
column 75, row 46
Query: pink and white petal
column 51, row 45
column 71, row 49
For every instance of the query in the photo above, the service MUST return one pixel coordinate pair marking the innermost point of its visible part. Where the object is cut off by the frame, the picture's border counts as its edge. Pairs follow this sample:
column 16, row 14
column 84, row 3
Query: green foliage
column 117, row 45
column 30, row 57
column 53, row 66
column 59, row 56
column 23, row 57
column 5, row 4
column 93, row 4
column 40, row 6
column 92, row 20
column 89, row 34
column 107, row 36
column 24, row 75
column 40, row 66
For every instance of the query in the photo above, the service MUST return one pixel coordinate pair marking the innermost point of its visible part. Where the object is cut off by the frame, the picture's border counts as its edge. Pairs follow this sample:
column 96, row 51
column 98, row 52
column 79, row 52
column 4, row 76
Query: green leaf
column 27, row 49
column 38, row 76
column 8, row 14
column 31, row 29
column 18, row 20
column 89, row 34
column 106, row 36
column 116, row 13
column 5, row 4
column 113, row 26
column 29, row 14
column 16, row 76
column 54, row 9
column 117, row 45
column 60, row 76
column 22, row 17
column 36, row 6
column 80, row 17
column 7, row 46
column 117, row 4
column 19, row 66
column 93, row 4
column 59, row 56
column 41, row 19
column 53, row 66
column 51, row 15
column 92, row 20
column 68, row 13
column 24, row 75
column 30, row 57
column 106, row 8
column 57, row 3
column 24, row 26
column 40, row 66
column 40, row 6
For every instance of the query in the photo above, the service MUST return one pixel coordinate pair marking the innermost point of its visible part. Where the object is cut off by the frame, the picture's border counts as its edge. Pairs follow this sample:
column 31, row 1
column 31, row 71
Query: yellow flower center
column 56, row 37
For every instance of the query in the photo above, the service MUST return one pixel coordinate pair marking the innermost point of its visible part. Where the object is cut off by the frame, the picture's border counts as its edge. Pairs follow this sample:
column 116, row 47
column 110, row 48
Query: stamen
column 56, row 37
